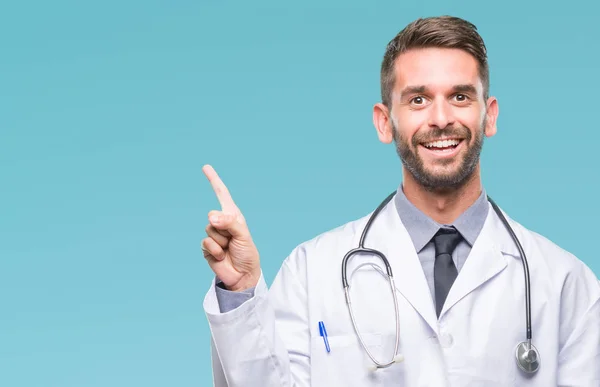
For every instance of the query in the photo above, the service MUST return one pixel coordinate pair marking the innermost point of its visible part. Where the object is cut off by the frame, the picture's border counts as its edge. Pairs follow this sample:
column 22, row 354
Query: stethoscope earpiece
column 399, row 358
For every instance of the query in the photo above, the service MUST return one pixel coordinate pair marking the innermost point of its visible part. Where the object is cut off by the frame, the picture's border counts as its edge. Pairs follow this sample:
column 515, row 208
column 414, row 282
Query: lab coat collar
column 485, row 261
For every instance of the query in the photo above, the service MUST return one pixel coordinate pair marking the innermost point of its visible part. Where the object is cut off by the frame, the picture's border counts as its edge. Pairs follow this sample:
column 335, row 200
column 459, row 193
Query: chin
column 443, row 179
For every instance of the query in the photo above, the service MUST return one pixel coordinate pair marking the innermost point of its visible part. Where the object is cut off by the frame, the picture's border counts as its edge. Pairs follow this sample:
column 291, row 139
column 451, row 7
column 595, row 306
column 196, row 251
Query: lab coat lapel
column 395, row 243
column 484, row 262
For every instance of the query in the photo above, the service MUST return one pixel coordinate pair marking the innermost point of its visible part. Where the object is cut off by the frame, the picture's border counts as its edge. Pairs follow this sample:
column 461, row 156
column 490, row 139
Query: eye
column 461, row 97
column 418, row 100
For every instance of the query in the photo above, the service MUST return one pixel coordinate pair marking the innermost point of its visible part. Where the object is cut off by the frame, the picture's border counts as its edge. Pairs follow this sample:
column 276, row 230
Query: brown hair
column 440, row 32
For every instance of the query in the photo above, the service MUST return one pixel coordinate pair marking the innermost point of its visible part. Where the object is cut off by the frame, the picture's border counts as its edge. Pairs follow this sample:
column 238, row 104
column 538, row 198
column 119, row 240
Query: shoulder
column 561, row 268
column 326, row 247
column 551, row 253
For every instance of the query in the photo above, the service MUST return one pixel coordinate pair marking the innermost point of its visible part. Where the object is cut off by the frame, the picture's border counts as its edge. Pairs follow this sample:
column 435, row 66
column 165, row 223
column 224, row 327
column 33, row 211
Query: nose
column 441, row 114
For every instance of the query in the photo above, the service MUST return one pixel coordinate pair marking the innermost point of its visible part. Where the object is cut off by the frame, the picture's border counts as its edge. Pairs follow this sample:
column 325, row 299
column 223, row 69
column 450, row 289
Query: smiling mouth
column 442, row 145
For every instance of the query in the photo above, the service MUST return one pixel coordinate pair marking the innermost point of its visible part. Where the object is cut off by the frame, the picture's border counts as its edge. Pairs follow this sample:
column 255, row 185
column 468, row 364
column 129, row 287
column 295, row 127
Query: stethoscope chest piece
column 528, row 357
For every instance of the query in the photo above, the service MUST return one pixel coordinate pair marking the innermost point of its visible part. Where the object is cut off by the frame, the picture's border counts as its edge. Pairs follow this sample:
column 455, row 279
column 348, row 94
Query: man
column 458, row 273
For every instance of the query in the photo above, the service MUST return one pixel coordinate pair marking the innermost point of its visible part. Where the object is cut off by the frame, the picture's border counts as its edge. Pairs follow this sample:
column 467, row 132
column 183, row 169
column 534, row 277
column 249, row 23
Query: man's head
column 434, row 86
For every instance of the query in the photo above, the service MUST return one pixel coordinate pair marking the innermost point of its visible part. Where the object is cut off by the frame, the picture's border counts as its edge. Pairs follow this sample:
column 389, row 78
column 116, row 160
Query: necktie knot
column 446, row 240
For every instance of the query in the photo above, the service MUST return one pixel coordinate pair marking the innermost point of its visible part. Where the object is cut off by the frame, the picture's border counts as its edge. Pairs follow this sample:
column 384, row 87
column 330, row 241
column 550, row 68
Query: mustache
column 437, row 134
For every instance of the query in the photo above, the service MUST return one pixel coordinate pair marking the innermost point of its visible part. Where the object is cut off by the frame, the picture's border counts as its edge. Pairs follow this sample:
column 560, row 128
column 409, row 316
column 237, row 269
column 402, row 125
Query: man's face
column 438, row 116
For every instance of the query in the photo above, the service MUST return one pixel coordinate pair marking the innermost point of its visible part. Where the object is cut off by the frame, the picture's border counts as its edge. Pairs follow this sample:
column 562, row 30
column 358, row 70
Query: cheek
column 472, row 119
column 409, row 124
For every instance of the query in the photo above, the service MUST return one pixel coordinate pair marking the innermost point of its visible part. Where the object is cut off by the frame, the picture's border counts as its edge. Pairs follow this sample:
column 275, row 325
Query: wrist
column 250, row 281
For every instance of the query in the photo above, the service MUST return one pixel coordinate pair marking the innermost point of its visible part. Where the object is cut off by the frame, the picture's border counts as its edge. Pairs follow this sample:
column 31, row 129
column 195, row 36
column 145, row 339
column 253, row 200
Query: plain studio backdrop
column 108, row 110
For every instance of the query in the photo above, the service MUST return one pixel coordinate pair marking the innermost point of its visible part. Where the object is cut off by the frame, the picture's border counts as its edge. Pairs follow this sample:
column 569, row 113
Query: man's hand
column 229, row 248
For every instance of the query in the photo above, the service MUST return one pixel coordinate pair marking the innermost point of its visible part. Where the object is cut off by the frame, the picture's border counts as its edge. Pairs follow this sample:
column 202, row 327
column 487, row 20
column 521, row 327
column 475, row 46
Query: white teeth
column 441, row 144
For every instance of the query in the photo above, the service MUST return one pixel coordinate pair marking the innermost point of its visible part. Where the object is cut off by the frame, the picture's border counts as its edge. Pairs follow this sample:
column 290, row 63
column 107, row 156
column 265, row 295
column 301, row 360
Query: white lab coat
column 273, row 339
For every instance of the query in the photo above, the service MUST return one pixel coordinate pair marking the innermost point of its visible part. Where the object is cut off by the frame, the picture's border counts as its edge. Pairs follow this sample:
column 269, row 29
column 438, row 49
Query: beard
column 447, row 178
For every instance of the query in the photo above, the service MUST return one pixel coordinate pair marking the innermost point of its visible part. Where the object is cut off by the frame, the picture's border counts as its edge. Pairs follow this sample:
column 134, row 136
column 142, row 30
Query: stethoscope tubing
column 362, row 249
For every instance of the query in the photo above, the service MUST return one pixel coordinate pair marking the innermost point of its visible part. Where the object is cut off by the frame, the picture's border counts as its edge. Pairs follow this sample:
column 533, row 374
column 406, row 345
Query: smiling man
column 475, row 299
column 437, row 109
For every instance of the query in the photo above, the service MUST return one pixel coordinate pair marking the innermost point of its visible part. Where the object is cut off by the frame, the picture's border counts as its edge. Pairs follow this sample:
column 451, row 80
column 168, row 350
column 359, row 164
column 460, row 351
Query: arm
column 266, row 340
column 579, row 356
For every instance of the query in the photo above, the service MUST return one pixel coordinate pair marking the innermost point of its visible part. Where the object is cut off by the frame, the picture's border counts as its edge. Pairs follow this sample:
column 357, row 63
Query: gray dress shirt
column 421, row 229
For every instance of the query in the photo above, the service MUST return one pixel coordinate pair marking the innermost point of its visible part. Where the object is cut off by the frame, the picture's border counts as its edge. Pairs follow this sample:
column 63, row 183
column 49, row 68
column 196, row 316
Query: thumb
column 228, row 222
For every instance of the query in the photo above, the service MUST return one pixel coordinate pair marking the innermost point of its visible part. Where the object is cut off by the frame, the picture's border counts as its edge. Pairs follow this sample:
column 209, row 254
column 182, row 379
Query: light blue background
column 110, row 109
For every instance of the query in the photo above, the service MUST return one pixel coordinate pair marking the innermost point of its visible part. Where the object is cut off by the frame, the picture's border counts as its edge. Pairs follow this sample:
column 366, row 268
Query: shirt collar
column 422, row 228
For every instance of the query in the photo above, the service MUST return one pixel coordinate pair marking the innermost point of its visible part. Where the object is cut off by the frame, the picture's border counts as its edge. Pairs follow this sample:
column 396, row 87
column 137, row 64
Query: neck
column 443, row 206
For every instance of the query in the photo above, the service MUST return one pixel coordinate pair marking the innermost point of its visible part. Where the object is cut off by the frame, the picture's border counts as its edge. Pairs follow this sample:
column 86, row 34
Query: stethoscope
column 527, row 356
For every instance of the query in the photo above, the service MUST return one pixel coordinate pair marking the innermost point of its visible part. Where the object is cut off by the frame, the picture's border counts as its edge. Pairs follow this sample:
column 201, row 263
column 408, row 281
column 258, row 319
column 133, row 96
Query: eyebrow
column 462, row 88
column 466, row 88
column 412, row 90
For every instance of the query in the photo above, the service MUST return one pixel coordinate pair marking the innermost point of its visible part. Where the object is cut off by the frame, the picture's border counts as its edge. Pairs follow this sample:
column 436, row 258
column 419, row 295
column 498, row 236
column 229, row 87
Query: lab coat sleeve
column 229, row 300
column 579, row 356
column 266, row 340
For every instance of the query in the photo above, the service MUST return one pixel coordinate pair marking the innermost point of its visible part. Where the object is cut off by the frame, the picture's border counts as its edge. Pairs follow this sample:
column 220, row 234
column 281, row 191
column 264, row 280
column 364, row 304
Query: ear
column 492, row 116
column 383, row 124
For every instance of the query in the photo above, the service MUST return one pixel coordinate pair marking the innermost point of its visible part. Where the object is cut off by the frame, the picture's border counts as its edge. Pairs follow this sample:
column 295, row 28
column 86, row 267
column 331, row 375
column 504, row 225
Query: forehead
column 436, row 68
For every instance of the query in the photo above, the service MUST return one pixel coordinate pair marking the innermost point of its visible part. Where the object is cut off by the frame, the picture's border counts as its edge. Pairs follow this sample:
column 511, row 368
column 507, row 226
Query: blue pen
column 323, row 333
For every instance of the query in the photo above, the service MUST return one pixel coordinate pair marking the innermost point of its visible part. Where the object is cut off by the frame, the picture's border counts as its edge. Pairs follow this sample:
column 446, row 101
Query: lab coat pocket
column 347, row 364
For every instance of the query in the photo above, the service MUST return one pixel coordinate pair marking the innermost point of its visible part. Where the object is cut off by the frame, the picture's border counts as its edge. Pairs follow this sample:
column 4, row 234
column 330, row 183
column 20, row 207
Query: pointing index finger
column 227, row 204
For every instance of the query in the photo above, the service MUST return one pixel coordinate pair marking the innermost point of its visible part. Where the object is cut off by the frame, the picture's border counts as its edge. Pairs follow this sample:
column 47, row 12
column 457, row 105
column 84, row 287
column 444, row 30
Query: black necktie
column 444, row 271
